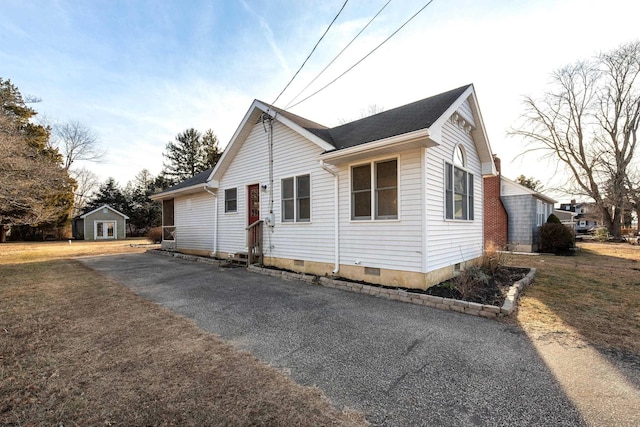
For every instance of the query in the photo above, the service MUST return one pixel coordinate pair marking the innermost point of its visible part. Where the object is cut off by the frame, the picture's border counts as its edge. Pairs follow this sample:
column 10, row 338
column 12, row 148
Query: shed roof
column 101, row 207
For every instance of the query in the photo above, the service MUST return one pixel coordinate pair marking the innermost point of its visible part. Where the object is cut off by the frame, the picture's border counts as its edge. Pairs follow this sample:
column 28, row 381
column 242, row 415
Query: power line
column 338, row 55
column 311, row 53
column 364, row 57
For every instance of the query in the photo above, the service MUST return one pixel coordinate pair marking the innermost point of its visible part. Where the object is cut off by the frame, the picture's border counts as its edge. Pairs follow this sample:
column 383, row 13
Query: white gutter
column 215, row 218
column 336, row 217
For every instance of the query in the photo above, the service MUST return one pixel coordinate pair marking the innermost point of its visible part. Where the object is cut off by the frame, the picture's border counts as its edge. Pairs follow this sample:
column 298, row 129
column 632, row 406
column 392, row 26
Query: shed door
column 105, row 230
column 253, row 202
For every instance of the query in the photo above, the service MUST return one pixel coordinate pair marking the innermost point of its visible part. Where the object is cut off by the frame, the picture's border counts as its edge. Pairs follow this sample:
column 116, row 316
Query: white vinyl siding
column 393, row 244
column 451, row 242
column 293, row 156
column 194, row 220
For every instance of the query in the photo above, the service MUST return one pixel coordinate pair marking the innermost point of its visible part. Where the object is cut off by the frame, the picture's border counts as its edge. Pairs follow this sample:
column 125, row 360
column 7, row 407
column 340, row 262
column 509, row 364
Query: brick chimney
column 495, row 215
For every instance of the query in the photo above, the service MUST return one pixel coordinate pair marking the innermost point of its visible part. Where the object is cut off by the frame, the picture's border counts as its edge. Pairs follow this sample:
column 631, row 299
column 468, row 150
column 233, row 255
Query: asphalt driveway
column 399, row 363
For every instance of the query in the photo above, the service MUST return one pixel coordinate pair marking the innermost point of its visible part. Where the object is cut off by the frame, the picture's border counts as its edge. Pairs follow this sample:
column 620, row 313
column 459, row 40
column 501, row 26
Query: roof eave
column 192, row 189
column 415, row 139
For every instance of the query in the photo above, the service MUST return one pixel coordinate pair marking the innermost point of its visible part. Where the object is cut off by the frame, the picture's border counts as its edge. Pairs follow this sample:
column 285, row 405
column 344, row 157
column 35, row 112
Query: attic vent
column 105, row 210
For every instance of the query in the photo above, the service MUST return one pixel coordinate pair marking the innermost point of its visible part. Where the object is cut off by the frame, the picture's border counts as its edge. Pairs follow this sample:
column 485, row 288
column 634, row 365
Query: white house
column 395, row 198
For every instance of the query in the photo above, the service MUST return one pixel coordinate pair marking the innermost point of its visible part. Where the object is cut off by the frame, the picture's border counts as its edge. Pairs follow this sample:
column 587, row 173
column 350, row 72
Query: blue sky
column 139, row 72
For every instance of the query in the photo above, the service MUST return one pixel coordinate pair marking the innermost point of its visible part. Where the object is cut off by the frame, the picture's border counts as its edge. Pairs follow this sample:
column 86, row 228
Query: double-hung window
column 374, row 188
column 296, row 199
column 231, row 200
column 459, row 198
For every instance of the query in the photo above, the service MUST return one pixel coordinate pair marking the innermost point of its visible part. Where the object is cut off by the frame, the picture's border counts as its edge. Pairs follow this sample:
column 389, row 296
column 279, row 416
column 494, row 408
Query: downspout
column 336, row 217
column 215, row 218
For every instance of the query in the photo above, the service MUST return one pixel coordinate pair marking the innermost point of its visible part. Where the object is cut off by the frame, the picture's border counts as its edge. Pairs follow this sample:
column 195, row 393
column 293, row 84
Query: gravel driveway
column 400, row 364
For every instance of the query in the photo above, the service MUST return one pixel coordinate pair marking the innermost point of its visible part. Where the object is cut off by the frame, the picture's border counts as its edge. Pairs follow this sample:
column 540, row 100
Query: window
column 296, row 199
column 459, row 197
column 231, row 200
column 381, row 197
column 540, row 210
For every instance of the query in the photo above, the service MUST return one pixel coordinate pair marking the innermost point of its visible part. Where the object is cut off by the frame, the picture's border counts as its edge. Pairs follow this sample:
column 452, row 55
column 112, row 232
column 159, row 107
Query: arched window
column 459, row 187
column 459, row 158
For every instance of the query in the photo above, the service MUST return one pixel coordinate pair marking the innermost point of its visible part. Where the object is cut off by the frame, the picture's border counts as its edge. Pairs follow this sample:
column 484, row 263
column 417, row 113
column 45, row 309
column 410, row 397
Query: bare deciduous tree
column 588, row 120
column 87, row 183
column 77, row 142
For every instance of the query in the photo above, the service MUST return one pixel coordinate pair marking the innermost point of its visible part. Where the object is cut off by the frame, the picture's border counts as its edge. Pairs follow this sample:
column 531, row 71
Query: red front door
column 253, row 201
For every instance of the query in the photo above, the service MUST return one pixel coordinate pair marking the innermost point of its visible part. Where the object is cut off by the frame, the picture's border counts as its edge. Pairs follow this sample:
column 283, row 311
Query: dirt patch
column 78, row 349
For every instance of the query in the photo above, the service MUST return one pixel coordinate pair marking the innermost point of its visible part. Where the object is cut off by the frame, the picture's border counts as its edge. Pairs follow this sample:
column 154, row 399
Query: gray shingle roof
column 200, row 178
column 407, row 118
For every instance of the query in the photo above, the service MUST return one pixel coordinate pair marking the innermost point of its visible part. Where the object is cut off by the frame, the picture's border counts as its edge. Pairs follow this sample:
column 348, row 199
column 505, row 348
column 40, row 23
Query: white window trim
column 295, row 221
column 95, row 229
column 466, row 169
column 224, row 207
column 373, row 190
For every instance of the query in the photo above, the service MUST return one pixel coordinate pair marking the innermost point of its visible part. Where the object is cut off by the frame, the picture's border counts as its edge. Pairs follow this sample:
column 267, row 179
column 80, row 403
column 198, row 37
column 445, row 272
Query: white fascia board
column 418, row 138
column 180, row 191
column 297, row 128
column 102, row 207
column 527, row 190
column 484, row 150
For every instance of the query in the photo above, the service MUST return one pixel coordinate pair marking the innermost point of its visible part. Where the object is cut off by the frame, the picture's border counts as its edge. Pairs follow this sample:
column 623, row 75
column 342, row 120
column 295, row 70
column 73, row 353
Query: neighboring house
column 516, row 208
column 103, row 223
column 395, row 198
column 587, row 217
column 568, row 218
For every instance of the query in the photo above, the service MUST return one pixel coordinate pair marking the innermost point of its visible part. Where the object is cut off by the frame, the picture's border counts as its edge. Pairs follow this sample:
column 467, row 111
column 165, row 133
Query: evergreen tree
column 110, row 194
column 35, row 190
column 190, row 154
column 143, row 212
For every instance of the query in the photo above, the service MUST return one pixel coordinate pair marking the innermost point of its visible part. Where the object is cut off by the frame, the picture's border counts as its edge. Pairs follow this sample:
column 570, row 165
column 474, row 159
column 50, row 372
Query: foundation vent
column 298, row 262
column 370, row 271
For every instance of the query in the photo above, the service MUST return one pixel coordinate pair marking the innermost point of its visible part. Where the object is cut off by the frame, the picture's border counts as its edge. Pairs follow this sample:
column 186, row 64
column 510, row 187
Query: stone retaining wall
column 472, row 308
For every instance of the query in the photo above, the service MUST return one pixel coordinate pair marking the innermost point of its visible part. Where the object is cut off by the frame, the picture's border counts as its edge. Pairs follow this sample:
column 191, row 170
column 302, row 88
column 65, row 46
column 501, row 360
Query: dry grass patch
column 19, row 252
column 596, row 292
column 78, row 349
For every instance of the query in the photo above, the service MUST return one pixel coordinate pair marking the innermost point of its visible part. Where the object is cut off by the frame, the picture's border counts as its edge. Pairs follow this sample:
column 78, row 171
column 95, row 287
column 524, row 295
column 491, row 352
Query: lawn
column 595, row 293
column 79, row 349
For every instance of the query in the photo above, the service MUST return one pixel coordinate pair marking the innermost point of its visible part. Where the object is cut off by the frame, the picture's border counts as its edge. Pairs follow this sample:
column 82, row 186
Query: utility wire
column 311, row 53
column 364, row 57
column 338, row 55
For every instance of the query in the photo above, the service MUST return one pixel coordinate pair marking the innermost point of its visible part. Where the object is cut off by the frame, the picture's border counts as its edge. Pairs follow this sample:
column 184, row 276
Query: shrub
column 601, row 234
column 470, row 282
column 556, row 238
column 492, row 259
column 553, row 219
column 154, row 234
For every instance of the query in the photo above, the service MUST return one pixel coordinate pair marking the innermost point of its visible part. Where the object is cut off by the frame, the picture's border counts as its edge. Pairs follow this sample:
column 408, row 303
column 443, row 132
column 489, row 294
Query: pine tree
column 190, row 154
column 35, row 190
